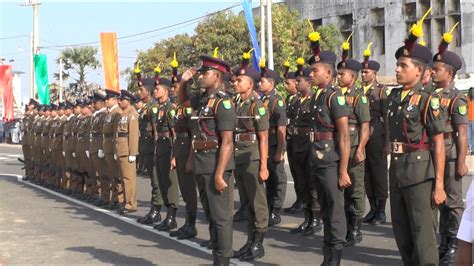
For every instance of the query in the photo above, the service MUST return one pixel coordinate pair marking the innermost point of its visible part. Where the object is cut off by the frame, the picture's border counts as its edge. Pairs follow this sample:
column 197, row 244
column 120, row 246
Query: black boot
column 373, row 210
column 244, row 249
column 450, row 255
column 240, row 215
column 336, row 255
column 256, row 250
column 178, row 232
column 297, row 207
column 153, row 216
column 190, row 230
column 380, row 217
column 305, row 224
column 354, row 235
column 274, row 218
column 315, row 224
column 221, row 261
column 169, row 223
column 326, row 256
column 443, row 247
column 209, row 244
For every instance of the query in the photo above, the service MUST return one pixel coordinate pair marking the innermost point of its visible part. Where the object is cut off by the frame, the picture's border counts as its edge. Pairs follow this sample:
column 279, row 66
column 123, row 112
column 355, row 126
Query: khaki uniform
column 57, row 148
column 68, row 150
column 111, row 121
column 82, row 148
column 126, row 144
column 77, row 180
column 37, row 147
column 27, row 144
column 46, row 164
column 94, row 147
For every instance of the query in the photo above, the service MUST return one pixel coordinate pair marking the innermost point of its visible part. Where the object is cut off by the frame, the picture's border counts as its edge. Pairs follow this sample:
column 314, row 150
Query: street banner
column 108, row 41
column 41, row 76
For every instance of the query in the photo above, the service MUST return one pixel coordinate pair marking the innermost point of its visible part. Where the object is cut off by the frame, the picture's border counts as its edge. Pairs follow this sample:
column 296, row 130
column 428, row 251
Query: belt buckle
column 311, row 136
column 397, row 147
column 237, row 137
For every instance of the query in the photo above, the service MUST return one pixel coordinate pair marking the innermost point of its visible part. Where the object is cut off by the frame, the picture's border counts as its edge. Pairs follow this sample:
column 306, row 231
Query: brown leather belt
column 401, row 148
column 319, row 136
column 245, row 137
column 182, row 134
column 205, row 145
column 106, row 135
column 121, row 134
column 165, row 134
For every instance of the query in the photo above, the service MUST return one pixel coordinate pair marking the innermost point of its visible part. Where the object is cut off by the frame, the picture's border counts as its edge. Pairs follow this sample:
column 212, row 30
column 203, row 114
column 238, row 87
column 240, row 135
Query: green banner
column 41, row 76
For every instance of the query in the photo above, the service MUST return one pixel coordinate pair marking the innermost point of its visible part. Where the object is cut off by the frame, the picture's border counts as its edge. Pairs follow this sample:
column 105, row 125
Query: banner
column 6, row 77
column 41, row 76
column 247, row 6
column 108, row 42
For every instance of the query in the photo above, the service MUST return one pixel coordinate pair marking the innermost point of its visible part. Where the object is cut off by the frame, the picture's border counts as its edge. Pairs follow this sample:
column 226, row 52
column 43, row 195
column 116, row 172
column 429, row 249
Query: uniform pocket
column 121, row 146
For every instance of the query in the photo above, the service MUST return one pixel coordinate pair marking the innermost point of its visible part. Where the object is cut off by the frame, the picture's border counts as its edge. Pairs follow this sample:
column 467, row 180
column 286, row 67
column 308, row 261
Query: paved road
column 39, row 226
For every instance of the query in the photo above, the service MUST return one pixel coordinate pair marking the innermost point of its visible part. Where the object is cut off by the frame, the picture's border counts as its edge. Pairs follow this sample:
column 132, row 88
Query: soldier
column 77, row 180
column 38, row 123
column 329, row 155
column 416, row 175
column 47, row 165
column 28, row 138
column 83, row 152
column 57, row 146
column 140, row 159
column 162, row 117
column 251, row 153
column 291, row 102
column 454, row 105
column 112, row 171
column 66, row 152
column 376, row 175
column 146, row 148
column 126, row 150
column 359, row 118
column 68, row 147
column 213, row 153
column 276, row 183
column 301, row 153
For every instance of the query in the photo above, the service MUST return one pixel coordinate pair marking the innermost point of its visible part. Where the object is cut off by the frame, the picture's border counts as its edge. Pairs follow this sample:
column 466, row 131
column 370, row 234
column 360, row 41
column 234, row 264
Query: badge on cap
column 462, row 110
column 341, row 100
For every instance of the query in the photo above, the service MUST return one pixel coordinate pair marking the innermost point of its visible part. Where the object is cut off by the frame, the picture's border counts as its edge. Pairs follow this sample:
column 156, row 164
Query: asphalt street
column 40, row 226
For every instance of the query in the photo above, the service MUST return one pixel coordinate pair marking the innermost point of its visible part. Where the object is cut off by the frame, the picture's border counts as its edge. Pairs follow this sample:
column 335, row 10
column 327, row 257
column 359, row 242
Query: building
column 387, row 22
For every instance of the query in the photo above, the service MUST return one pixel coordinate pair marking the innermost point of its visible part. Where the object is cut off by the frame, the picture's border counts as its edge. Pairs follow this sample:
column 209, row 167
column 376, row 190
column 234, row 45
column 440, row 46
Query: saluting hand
column 438, row 196
column 344, row 180
column 188, row 74
column 220, row 183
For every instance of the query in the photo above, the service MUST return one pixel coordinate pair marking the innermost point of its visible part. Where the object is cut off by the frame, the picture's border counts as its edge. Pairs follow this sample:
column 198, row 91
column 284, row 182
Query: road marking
column 128, row 220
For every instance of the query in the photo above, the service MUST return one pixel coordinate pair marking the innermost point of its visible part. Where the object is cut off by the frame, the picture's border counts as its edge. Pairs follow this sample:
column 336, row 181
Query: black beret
column 126, row 95
column 250, row 72
column 86, row 102
column 176, row 79
column 209, row 62
column 350, row 64
column 111, row 94
column 417, row 52
column 69, row 105
column 372, row 65
column 324, row 57
column 449, row 58
column 98, row 97
column 78, row 102
column 270, row 74
column 148, row 83
column 34, row 103
column 53, row 107
column 164, row 82
column 62, row 105
column 305, row 72
column 291, row 75
column 46, row 108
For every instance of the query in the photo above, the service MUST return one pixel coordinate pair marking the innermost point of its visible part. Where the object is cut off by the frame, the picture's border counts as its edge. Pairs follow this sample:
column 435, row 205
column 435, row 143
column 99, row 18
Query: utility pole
column 60, row 79
column 270, row 34
column 262, row 28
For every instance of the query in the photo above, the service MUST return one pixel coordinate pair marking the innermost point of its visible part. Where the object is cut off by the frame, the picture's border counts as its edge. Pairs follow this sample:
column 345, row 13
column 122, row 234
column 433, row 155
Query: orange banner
column 108, row 42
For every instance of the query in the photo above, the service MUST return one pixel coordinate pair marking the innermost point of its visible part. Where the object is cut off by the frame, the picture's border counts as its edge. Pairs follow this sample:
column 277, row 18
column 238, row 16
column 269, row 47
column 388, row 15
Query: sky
column 68, row 22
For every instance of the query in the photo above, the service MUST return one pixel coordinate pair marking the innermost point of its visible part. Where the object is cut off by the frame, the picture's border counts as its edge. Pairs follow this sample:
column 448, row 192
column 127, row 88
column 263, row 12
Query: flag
column 6, row 76
column 247, row 6
column 108, row 41
column 41, row 76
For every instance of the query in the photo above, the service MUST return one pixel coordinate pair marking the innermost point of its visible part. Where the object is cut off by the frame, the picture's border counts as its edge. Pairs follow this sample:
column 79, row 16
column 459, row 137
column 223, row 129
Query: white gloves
column 115, row 157
column 100, row 153
column 73, row 155
column 88, row 155
column 131, row 158
column 64, row 154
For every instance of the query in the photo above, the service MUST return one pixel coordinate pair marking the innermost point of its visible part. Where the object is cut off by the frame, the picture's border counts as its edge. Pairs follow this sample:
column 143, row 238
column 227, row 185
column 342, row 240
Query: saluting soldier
column 277, row 182
column 376, row 171
column 162, row 118
column 95, row 147
column 301, row 153
column 28, row 138
column 359, row 118
column 213, row 153
column 251, row 153
column 126, row 150
column 112, row 171
column 454, row 105
column 329, row 154
column 416, row 174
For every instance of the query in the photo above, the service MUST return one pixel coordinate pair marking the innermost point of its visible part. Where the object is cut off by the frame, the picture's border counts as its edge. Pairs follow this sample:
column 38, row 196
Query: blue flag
column 247, row 6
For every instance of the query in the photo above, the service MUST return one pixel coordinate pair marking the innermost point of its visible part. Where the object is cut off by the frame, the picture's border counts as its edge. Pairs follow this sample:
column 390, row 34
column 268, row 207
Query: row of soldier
column 336, row 136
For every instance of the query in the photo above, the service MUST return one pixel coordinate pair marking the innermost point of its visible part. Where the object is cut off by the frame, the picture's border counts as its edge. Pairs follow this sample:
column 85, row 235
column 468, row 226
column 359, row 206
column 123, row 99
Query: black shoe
column 256, row 250
column 123, row 211
column 336, row 255
column 314, row 226
column 189, row 231
column 153, row 216
column 209, row 244
column 450, row 255
column 221, row 261
column 244, row 248
column 326, row 256
column 354, row 235
column 305, row 224
column 443, row 246
column 373, row 210
column 240, row 215
column 205, row 243
column 380, row 217
column 274, row 218
column 169, row 223
column 297, row 207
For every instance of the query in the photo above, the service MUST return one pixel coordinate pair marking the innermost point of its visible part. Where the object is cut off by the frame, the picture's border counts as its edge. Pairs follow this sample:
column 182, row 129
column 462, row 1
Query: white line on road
column 124, row 219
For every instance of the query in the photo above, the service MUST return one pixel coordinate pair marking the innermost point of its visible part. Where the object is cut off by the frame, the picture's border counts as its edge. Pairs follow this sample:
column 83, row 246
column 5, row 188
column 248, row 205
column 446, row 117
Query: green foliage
column 79, row 59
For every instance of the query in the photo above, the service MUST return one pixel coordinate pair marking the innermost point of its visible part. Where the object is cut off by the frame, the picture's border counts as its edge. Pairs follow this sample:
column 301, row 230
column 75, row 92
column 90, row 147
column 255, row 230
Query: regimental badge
column 242, row 71
column 172, row 112
column 280, row 103
column 434, row 103
column 406, row 52
column 317, row 58
column 227, row 105
column 189, row 110
column 462, row 110
column 261, row 111
column 364, row 99
column 154, row 110
column 341, row 100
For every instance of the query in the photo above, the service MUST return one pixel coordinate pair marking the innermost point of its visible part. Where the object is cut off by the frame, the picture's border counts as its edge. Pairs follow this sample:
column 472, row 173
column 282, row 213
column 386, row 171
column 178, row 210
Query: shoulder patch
column 172, row 112
column 189, row 110
column 280, row 103
column 434, row 103
column 261, row 111
column 154, row 110
column 363, row 99
column 227, row 105
column 341, row 100
column 462, row 110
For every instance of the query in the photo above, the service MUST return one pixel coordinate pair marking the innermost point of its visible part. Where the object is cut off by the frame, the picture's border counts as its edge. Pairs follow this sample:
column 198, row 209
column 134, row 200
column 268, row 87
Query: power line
column 14, row 37
column 150, row 31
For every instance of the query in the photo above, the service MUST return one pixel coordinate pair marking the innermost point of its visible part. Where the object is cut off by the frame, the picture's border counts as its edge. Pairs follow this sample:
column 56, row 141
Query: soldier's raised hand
column 188, row 74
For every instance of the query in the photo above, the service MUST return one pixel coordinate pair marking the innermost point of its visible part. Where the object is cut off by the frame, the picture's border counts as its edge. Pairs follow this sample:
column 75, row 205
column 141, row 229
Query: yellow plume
column 262, row 62
column 157, row 69
column 215, row 54
column 367, row 51
column 174, row 63
column 346, row 45
column 417, row 29
column 248, row 54
column 300, row 61
column 422, row 41
column 137, row 69
column 314, row 36
column 448, row 36
column 310, row 24
column 286, row 63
